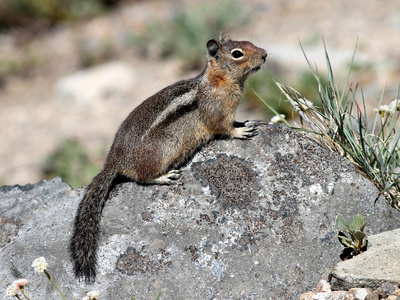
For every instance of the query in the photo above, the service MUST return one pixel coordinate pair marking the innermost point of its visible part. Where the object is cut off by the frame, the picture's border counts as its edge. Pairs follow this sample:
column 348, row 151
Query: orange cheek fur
column 217, row 79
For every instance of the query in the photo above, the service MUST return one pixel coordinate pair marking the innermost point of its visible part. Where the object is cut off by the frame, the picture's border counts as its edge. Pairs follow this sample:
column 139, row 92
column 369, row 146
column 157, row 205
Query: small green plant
column 71, row 161
column 191, row 30
column 342, row 126
column 357, row 241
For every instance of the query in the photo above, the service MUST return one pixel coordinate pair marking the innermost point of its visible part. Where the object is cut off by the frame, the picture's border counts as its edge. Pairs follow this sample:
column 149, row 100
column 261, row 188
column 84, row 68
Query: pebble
column 323, row 292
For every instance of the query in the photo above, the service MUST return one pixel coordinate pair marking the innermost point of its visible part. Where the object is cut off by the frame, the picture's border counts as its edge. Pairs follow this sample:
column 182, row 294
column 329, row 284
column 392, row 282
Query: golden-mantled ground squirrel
column 163, row 131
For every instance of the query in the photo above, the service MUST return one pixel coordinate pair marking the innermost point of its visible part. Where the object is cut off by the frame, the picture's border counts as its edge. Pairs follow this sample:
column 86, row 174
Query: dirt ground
column 33, row 120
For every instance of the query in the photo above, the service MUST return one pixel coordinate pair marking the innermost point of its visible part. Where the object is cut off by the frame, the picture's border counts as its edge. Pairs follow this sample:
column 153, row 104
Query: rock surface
column 250, row 219
column 373, row 267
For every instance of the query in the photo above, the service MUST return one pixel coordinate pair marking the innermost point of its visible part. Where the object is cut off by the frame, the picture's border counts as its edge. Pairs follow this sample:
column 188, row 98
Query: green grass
column 342, row 125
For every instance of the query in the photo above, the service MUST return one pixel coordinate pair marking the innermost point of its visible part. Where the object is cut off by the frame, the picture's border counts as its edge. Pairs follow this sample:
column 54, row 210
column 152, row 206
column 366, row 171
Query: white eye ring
column 237, row 53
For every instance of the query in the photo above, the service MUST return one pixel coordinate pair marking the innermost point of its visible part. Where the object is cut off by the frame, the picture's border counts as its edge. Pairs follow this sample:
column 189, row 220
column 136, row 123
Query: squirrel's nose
column 264, row 55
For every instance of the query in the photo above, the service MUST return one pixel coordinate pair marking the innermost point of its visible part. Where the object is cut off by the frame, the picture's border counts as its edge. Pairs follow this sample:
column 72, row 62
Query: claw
column 244, row 132
column 252, row 123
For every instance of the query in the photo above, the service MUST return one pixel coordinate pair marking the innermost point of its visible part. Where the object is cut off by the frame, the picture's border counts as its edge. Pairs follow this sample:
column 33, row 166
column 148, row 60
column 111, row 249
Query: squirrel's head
column 237, row 59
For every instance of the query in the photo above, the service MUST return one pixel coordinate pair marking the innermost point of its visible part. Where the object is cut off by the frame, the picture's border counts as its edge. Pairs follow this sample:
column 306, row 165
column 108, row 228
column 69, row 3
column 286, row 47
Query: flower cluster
column 388, row 109
column 39, row 264
column 93, row 295
column 277, row 119
column 12, row 290
column 15, row 287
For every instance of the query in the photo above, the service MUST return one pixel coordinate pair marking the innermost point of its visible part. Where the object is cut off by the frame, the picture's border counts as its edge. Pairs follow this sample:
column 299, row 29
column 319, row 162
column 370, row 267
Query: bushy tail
column 84, row 241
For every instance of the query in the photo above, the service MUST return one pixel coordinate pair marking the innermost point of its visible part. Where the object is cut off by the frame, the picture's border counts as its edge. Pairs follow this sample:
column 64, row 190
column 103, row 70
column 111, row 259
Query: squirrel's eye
column 236, row 54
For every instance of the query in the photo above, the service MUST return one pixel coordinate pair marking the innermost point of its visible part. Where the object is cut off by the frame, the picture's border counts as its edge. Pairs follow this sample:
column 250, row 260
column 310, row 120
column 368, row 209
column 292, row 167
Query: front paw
column 248, row 130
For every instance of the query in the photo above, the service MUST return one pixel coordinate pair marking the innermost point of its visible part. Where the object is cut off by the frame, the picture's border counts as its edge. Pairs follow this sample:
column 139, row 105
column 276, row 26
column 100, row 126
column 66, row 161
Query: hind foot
column 168, row 178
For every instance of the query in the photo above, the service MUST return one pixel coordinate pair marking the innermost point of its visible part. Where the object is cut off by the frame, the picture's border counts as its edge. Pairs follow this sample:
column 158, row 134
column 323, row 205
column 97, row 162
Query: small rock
column 307, row 296
column 323, row 286
column 396, row 292
column 349, row 297
column 360, row 294
column 393, row 297
column 371, row 296
column 381, row 293
column 388, row 288
column 336, row 295
column 352, row 291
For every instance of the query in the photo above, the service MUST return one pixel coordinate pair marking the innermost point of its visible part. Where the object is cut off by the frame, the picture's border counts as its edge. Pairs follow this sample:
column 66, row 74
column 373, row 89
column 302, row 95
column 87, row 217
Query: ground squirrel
column 163, row 131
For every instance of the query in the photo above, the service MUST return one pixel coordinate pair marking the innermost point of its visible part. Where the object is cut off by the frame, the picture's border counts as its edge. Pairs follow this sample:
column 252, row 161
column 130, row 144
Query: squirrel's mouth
column 255, row 69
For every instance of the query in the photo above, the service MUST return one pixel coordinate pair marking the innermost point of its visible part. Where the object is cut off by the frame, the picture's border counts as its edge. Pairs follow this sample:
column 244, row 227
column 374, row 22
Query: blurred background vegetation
column 72, row 162
column 191, row 29
column 41, row 14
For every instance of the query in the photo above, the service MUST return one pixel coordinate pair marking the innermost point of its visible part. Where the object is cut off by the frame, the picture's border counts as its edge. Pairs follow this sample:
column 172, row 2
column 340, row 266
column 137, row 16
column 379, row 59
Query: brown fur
column 163, row 132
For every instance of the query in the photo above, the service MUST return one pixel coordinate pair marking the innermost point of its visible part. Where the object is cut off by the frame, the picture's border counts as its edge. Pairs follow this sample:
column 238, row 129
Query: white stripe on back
column 182, row 100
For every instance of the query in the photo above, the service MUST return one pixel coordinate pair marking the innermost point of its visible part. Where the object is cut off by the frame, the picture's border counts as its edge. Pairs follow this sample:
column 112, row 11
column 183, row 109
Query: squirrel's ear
column 213, row 48
column 223, row 37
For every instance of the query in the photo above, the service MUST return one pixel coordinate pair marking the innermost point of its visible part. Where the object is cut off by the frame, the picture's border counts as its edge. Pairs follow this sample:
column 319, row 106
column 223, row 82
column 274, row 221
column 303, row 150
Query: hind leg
column 153, row 172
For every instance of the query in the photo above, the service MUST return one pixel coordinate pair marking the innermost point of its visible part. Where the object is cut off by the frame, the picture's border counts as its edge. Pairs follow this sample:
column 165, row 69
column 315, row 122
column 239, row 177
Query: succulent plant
column 358, row 241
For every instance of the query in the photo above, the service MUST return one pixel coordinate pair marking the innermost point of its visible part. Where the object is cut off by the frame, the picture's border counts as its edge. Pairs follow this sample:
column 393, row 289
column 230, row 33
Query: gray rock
column 251, row 219
column 88, row 87
column 379, row 266
column 389, row 288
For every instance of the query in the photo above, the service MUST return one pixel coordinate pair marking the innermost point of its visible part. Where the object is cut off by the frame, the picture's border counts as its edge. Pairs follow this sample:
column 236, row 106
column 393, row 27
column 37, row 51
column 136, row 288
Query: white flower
column 277, row 119
column 39, row 264
column 389, row 109
column 93, row 295
column 21, row 282
column 12, row 290
column 382, row 109
column 394, row 105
